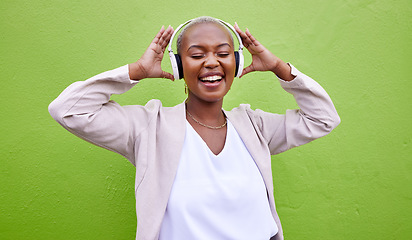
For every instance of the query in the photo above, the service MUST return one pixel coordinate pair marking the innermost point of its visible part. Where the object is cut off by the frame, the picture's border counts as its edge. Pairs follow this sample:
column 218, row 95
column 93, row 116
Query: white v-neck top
column 217, row 196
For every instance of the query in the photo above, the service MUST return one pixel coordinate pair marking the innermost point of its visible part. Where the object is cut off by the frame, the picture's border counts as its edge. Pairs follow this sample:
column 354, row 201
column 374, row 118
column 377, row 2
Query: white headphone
column 177, row 63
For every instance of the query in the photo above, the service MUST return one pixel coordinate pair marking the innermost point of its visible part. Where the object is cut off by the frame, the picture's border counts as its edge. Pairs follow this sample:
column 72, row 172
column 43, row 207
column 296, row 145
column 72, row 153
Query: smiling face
column 208, row 60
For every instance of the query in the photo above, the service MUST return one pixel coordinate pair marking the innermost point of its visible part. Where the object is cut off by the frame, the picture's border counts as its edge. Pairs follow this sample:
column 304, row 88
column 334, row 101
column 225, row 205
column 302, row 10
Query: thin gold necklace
column 205, row 125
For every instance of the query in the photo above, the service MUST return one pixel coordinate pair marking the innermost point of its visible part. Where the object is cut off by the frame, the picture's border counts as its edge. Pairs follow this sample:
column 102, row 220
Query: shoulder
column 241, row 109
column 244, row 110
column 153, row 109
column 154, row 105
column 244, row 115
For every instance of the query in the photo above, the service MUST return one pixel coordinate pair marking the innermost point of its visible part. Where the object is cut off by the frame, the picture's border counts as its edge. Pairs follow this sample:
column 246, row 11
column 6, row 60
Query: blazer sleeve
column 85, row 109
column 315, row 117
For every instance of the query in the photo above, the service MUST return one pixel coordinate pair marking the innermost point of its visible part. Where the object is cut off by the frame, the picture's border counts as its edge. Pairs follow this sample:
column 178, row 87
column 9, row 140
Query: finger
column 158, row 35
column 161, row 38
column 167, row 75
column 238, row 30
column 247, row 70
column 242, row 35
column 165, row 38
column 245, row 39
column 249, row 37
column 170, row 30
column 252, row 38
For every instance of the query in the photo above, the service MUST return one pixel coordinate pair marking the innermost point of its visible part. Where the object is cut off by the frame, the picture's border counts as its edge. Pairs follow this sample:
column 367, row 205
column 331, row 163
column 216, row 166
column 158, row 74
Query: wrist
column 283, row 70
column 276, row 62
column 136, row 72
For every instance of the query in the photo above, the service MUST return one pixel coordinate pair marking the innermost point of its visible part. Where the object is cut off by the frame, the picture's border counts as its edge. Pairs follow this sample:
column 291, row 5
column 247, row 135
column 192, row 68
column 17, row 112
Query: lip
column 213, row 84
column 208, row 74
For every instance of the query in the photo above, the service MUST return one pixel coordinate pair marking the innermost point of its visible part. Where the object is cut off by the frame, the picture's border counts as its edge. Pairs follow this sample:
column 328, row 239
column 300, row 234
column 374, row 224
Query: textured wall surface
column 352, row 184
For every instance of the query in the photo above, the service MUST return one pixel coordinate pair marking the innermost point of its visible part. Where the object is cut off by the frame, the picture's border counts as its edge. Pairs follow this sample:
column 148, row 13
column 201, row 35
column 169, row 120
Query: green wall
column 352, row 184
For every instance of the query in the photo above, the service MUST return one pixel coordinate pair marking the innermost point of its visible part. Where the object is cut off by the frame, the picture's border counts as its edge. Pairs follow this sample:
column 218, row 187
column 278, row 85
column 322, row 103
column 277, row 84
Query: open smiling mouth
column 211, row 79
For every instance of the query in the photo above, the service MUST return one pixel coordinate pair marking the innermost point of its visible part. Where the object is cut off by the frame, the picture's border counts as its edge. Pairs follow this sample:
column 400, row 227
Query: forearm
column 313, row 101
column 316, row 117
column 84, row 108
column 88, row 96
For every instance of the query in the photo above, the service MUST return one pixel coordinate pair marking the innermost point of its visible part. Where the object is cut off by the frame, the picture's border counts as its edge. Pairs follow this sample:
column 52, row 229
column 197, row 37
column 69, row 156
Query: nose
column 211, row 61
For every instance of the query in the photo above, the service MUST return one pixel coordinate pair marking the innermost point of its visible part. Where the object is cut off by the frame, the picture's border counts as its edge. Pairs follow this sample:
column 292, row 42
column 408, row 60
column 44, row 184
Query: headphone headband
column 175, row 63
column 169, row 48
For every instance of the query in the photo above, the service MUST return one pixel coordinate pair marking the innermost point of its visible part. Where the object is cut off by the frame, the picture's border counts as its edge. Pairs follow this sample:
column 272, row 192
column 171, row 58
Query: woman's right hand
column 149, row 65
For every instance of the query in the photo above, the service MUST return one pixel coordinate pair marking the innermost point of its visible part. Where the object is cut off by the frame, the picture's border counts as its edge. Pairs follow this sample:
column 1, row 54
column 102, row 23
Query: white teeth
column 211, row 78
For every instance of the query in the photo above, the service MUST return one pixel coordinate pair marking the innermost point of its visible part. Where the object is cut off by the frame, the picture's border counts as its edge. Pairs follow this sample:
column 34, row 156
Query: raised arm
column 316, row 115
column 262, row 58
column 85, row 109
column 315, row 118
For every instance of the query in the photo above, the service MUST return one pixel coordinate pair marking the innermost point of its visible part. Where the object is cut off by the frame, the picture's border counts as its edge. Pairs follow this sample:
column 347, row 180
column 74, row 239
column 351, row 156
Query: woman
column 201, row 172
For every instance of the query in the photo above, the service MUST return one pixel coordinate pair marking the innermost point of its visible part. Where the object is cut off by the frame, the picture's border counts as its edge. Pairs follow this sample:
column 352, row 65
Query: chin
column 209, row 98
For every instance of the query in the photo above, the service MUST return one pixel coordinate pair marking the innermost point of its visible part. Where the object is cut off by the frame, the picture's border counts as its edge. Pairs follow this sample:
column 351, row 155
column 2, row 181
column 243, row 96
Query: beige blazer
column 151, row 136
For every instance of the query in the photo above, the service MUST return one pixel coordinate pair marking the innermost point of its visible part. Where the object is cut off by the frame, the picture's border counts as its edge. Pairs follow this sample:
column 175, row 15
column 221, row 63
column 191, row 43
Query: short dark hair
column 196, row 21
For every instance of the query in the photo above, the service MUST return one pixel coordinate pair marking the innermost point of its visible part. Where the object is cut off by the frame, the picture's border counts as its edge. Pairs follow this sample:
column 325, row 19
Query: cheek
column 230, row 66
column 190, row 69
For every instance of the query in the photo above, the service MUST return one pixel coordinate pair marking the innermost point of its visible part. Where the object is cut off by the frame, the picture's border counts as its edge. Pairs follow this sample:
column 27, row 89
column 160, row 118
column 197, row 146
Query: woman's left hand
column 262, row 58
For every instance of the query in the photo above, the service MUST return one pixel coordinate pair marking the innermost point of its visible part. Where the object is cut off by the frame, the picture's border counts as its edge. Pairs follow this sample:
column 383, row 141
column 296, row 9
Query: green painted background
column 352, row 184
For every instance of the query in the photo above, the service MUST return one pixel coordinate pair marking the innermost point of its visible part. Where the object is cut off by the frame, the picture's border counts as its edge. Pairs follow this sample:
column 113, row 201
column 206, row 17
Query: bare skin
column 207, row 50
column 205, row 56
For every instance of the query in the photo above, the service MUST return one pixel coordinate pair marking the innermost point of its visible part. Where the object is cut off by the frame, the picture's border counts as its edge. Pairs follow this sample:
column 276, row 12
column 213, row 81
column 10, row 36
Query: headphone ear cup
column 237, row 63
column 179, row 65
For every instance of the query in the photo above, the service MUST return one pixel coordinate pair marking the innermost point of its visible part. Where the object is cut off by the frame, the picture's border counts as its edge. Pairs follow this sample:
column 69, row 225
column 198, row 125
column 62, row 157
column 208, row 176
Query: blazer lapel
column 254, row 142
column 172, row 127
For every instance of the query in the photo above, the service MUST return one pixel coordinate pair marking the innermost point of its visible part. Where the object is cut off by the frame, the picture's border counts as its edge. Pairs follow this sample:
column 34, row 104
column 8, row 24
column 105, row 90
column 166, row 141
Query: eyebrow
column 199, row 46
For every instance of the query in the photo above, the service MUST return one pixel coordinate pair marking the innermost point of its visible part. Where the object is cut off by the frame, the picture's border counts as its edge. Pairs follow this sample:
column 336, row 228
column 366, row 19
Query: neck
column 205, row 111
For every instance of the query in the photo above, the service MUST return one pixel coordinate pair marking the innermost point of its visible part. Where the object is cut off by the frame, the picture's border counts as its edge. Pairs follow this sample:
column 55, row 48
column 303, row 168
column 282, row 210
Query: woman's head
column 206, row 50
column 194, row 22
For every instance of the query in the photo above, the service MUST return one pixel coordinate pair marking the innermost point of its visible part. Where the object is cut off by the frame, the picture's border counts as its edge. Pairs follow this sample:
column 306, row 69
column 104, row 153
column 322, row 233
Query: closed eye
column 197, row 56
column 224, row 54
